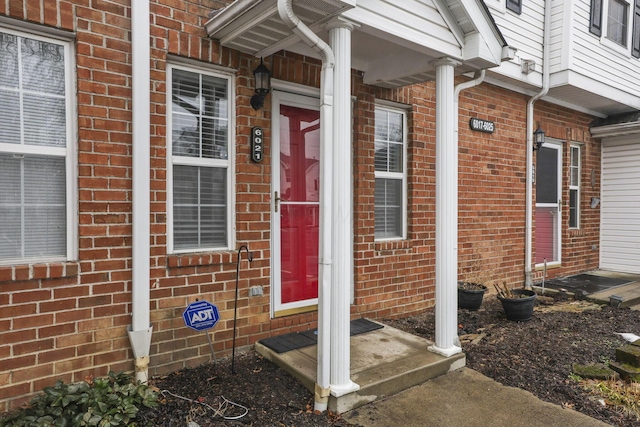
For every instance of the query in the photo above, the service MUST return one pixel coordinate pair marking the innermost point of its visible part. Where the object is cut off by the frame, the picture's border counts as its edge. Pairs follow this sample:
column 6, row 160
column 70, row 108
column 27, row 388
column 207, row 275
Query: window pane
column 44, row 121
column 388, row 208
column 617, row 22
column 200, row 209
column 395, row 127
column 32, row 207
column 573, row 208
column 9, row 116
column 8, row 61
column 199, row 115
column 389, row 141
column 547, row 176
column 42, row 66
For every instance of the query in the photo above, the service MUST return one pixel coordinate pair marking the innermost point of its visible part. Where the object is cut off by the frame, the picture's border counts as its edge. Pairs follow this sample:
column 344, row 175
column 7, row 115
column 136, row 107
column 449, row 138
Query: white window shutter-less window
column 33, row 199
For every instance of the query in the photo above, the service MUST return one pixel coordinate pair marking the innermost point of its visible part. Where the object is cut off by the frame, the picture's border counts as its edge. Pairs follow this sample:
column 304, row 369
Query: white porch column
column 446, row 211
column 340, row 42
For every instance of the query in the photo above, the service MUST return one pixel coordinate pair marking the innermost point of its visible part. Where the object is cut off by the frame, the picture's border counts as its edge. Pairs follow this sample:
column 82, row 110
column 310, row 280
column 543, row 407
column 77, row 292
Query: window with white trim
column 574, row 187
column 37, row 153
column 617, row 22
column 390, row 173
column 200, row 179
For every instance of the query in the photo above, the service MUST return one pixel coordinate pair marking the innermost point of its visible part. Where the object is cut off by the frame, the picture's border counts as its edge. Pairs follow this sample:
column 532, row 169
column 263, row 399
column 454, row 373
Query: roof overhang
column 393, row 47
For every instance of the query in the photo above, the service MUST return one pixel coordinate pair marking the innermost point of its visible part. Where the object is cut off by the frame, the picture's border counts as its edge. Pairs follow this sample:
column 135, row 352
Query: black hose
column 235, row 305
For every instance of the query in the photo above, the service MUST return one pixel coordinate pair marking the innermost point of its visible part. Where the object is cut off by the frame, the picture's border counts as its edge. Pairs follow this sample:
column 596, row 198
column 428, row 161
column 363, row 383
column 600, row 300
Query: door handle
column 276, row 200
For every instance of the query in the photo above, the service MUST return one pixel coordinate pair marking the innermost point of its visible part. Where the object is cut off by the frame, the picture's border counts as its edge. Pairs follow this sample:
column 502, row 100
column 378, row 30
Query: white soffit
column 252, row 26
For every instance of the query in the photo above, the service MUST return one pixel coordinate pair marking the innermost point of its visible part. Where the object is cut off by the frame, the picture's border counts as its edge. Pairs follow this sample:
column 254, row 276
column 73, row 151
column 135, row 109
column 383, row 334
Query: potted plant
column 470, row 295
column 471, row 291
column 517, row 303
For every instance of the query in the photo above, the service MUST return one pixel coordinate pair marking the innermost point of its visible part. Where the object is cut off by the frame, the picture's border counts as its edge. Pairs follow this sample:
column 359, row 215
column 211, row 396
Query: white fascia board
column 477, row 51
column 449, row 20
column 485, row 26
column 621, row 129
column 594, row 86
column 216, row 25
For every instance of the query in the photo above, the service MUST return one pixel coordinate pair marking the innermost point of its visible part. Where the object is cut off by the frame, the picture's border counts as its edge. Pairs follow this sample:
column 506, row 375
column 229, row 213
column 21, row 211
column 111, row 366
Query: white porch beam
column 446, row 211
column 340, row 42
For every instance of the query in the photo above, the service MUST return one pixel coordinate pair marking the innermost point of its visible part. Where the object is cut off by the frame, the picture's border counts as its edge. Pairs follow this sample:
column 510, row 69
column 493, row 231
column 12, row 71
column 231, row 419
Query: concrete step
column 384, row 362
column 629, row 354
column 629, row 295
column 627, row 372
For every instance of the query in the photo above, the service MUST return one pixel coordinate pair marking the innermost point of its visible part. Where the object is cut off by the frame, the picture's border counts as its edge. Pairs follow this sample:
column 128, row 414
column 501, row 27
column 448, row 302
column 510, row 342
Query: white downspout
column 140, row 329
column 322, row 388
column 528, row 282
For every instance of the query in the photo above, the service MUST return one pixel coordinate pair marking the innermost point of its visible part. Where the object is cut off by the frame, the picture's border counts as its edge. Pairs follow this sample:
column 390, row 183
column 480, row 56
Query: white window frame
column 573, row 186
column 229, row 164
column 392, row 107
column 605, row 27
column 69, row 152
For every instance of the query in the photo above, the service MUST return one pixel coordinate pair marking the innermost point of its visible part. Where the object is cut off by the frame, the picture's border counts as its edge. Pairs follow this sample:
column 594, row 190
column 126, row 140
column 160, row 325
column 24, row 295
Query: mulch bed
column 536, row 356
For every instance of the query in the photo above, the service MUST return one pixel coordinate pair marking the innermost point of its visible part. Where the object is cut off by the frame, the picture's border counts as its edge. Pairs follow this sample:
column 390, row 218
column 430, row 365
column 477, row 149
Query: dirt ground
column 536, row 356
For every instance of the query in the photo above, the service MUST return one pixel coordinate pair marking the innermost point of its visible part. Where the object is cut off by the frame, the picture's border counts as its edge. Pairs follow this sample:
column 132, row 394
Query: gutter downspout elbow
column 322, row 387
column 528, row 282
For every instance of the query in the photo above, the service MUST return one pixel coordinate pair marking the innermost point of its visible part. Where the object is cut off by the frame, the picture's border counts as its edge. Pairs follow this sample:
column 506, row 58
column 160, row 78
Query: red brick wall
column 69, row 320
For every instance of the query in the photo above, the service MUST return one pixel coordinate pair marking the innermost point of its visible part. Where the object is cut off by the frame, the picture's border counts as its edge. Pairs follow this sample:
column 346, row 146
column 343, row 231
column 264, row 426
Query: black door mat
column 296, row 340
column 589, row 283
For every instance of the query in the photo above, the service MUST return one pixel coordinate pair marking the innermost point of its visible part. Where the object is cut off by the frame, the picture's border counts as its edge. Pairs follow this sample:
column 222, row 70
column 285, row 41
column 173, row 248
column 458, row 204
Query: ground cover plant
column 105, row 402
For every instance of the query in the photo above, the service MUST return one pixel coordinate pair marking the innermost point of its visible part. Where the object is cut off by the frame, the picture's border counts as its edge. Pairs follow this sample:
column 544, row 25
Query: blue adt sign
column 201, row 315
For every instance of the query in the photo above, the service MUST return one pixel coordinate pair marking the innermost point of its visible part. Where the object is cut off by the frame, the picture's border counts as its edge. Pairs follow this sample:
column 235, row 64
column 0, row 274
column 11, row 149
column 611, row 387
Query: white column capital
column 341, row 22
column 446, row 61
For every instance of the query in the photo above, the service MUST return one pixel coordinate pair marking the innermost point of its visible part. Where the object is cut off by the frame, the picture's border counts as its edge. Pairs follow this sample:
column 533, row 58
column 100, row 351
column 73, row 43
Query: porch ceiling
column 394, row 43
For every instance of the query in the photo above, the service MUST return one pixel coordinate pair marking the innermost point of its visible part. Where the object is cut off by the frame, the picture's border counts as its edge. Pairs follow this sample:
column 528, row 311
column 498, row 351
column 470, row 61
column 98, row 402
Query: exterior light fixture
column 263, row 85
column 538, row 139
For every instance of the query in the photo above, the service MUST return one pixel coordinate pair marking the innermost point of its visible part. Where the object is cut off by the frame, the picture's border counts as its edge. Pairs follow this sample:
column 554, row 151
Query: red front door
column 299, row 203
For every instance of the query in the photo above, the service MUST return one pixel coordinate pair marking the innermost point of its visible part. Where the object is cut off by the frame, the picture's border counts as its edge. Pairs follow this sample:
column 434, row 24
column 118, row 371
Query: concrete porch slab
column 628, row 292
column 383, row 363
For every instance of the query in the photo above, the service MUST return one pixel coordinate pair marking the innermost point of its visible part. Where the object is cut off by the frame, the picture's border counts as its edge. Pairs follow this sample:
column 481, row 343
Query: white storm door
column 296, row 203
column 548, row 204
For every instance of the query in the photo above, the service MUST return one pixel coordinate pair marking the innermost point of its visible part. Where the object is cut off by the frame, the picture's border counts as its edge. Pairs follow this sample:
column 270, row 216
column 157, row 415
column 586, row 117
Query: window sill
column 393, row 245
column 42, row 271
column 200, row 259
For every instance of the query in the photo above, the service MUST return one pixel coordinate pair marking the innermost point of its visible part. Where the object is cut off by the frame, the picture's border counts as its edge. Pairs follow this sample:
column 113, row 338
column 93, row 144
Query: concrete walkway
column 466, row 398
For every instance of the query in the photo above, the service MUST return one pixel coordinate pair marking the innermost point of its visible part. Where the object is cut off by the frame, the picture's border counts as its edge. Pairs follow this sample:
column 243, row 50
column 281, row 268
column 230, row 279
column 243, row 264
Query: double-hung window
column 200, row 175
column 574, row 187
column 618, row 23
column 390, row 173
column 37, row 153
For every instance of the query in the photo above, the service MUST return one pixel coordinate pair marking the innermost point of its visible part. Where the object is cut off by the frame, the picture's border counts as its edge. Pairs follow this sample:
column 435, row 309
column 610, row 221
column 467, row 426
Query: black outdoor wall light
column 263, row 85
column 538, row 138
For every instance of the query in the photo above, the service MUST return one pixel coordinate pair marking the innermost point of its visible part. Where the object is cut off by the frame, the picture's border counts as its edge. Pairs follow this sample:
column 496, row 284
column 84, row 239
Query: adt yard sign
column 201, row 315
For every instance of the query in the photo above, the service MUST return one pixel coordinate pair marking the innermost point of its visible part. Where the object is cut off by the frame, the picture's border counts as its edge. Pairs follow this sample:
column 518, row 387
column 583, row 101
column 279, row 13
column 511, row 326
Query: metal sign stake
column 213, row 353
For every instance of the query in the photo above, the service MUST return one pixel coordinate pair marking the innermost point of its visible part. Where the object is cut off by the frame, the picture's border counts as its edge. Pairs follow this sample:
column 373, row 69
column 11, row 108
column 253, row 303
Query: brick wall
column 68, row 320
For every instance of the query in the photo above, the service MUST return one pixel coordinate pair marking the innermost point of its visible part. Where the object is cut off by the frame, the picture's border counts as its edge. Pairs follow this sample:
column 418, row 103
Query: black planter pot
column 519, row 309
column 471, row 299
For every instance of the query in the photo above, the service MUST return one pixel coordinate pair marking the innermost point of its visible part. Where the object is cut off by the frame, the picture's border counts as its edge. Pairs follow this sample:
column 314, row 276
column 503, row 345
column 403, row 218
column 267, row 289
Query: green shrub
column 103, row 402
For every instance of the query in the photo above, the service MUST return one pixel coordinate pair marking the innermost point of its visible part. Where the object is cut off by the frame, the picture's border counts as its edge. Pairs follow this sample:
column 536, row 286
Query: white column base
column 446, row 352
column 342, row 389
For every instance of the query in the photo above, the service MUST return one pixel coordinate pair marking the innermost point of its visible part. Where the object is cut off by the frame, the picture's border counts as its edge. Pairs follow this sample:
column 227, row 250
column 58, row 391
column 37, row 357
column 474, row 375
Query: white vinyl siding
column 620, row 206
column 200, row 173
column 37, row 150
column 390, row 173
